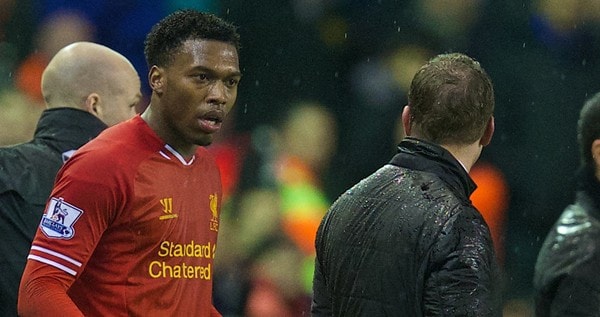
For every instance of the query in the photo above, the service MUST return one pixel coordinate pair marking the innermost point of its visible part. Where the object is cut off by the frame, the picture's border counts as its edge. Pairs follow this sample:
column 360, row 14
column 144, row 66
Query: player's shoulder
column 118, row 148
column 203, row 153
column 206, row 157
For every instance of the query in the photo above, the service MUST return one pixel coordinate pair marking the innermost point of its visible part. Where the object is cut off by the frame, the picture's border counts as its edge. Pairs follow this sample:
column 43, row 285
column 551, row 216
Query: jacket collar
column 429, row 157
column 65, row 129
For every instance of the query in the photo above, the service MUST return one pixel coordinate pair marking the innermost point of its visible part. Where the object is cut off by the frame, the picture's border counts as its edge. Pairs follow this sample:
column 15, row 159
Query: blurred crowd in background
column 324, row 83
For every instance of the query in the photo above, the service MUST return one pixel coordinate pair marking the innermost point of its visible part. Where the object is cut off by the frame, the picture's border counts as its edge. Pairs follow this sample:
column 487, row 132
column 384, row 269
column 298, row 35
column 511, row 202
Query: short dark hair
column 588, row 128
column 171, row 32
column 451, row 100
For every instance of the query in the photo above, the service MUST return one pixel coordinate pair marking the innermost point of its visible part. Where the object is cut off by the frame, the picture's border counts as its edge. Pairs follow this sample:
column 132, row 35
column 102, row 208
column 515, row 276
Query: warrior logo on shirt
column 167, row 204
column 59, row 218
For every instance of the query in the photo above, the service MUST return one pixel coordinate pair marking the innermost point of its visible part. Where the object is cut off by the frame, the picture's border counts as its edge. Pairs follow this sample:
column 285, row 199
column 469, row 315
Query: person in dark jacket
column 406, row 240
column 566, row 279
column 87, row 87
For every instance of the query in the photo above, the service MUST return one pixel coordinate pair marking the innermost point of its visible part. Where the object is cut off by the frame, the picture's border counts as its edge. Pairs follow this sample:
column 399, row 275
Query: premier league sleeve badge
column 59, row 218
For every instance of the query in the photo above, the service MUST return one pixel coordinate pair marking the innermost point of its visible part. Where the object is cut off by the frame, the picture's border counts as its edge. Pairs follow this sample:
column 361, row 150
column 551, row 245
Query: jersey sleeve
column 87, row 196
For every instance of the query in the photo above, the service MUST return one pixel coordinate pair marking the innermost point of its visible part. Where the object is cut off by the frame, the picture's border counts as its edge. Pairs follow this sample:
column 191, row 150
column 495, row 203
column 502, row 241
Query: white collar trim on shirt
column 177, row 155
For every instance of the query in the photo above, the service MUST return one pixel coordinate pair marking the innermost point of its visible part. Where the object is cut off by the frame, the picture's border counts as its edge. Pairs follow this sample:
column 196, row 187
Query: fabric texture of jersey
column 27, row 173
column 132, row 226
column 566, row 279
column 406, row 241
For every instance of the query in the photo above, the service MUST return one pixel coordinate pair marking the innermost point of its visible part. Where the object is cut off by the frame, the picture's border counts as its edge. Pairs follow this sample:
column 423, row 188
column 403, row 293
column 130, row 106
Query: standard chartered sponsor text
column 187, row 252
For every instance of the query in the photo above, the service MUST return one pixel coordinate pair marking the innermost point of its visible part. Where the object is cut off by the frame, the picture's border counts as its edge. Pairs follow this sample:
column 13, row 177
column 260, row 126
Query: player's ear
column 156, row 79
column 489, row 131
column 406, row 120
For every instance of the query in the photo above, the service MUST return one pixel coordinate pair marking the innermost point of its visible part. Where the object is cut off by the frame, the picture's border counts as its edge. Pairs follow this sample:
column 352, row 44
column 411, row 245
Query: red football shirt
column 130, row 229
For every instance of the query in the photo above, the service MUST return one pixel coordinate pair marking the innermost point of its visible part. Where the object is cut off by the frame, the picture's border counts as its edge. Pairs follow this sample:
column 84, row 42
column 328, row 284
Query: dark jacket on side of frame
column 27, row 173
column 566, row 279
column 406, row 241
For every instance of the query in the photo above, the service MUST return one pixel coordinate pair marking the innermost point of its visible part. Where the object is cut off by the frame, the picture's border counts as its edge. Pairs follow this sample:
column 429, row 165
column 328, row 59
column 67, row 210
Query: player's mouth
column 211, row 122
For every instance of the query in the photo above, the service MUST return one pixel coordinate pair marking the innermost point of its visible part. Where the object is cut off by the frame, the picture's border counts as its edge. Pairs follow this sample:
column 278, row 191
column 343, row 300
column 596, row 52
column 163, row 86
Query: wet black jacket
column 406, row 241
column 27, row 173
column 567, row 272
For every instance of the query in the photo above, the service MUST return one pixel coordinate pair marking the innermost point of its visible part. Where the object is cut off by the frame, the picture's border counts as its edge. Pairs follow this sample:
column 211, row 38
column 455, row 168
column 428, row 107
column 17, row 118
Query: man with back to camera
column 143, row 199
column 86, row 87
column 566, row 280
column 406, row 241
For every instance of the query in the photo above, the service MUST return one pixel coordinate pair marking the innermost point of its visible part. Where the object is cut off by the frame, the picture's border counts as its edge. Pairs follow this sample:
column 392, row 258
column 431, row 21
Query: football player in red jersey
column 141, row 202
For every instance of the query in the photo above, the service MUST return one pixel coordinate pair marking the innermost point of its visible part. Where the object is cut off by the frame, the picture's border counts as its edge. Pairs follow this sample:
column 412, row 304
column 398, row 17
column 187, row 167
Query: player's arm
column 43, row 292
column 78, row 212
column 464, row 277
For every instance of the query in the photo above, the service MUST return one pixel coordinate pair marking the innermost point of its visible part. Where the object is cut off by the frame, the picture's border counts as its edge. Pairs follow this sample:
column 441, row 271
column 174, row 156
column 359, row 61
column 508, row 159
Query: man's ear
column 92, row 104
column 156, row 78
column 406, row 120
column 596, row 152
column 595, row 149
column 487, row 134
